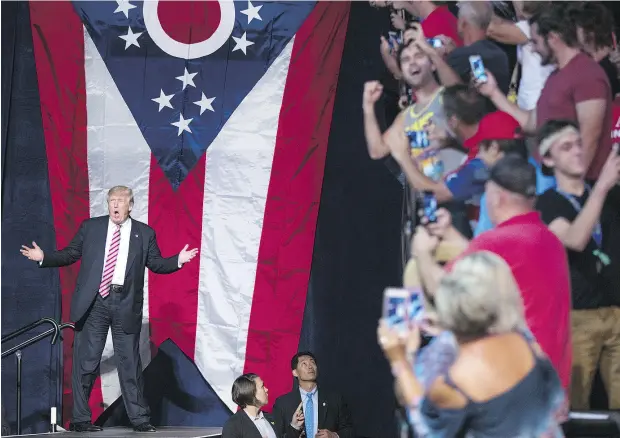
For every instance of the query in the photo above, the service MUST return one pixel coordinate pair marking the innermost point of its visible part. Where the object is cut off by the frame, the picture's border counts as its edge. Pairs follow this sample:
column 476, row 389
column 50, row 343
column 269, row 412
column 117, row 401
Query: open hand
column 186, row 255
column 35, row 253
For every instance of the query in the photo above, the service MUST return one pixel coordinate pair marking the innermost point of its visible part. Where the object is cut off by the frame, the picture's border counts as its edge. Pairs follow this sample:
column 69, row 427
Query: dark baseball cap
column 514, row 174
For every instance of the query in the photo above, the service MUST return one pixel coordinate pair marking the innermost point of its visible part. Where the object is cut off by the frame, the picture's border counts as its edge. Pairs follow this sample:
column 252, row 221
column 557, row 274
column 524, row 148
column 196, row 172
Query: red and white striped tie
column 110, row 263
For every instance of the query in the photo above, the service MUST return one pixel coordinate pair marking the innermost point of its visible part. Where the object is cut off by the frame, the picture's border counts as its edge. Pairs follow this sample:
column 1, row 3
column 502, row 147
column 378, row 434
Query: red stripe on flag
column 58, row 39
column 177, row 220
column 287, row 241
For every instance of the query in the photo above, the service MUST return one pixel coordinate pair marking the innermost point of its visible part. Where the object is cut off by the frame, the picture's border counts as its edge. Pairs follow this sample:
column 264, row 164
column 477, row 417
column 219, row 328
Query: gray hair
column 121, row 189
column 478, row 13
column 480, row 297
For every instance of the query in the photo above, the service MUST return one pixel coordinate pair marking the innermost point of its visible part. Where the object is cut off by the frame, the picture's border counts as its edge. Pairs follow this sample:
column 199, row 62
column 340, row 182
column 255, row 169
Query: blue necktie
column 309, row 416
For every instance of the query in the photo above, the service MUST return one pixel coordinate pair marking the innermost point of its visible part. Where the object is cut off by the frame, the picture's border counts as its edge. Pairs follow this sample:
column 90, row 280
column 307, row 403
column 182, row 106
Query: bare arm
column 392, row 65
column 527, row 119
column 419, row 181
column 590, row 115
column 577, row 234
column 447, row 76
column 410, row 387
column 378, row 143
column 430, row 273
column 506, row 32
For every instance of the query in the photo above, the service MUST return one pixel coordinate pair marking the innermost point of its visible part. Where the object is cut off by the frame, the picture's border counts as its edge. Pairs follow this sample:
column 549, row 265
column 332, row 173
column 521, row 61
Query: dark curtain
column 356, row 250
column 28, row 293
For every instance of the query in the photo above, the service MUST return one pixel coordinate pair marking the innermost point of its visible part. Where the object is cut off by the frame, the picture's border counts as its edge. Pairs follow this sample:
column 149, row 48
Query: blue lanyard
column 597, row 232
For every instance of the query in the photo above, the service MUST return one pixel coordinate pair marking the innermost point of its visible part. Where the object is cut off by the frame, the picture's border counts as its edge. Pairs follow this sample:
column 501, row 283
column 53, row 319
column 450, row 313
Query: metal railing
column 54, row 332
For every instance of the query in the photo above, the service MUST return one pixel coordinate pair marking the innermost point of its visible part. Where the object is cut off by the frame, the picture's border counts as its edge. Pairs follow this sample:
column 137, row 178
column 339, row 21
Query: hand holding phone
column 477, row 69
column 401, row 307
column 428, row 211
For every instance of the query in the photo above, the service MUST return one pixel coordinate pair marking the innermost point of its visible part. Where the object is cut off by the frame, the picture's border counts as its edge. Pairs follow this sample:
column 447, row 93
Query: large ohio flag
column 217, row 114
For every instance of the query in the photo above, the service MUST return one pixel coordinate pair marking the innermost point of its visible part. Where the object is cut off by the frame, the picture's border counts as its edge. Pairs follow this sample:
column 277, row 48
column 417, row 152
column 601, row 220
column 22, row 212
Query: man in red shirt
column 535, row 255
column 578, row 90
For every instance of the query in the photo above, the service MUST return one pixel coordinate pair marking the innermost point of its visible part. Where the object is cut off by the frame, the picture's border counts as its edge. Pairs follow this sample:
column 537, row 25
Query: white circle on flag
column 195, row 50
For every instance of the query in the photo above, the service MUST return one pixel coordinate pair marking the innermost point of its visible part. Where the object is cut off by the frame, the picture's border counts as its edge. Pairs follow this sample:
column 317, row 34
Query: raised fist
column 372, row 93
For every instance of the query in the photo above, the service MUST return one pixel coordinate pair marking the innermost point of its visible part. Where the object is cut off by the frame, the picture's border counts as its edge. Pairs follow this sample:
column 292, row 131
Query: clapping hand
column 186, row 255
column 35, row 253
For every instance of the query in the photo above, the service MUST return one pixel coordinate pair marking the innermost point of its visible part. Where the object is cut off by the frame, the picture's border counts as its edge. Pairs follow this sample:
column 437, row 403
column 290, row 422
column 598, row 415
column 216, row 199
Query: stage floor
column 162, row 432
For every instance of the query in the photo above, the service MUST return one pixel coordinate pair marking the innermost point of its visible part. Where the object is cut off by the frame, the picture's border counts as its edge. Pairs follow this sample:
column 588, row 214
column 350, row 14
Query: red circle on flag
column 189, row 22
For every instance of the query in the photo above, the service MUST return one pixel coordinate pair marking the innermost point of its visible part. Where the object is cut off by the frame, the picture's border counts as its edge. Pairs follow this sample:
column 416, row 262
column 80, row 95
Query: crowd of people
column 523, row 167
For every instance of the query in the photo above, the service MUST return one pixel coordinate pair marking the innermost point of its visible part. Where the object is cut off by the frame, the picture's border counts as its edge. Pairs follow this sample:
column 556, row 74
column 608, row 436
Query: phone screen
column 401, row 306
column 428, row 208
column 395, row 308
column 477, row 68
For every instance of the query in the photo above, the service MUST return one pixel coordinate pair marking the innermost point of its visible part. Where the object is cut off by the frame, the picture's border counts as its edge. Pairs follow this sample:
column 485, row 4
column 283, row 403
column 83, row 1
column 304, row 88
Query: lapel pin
column 136, row 235
column 324, row 404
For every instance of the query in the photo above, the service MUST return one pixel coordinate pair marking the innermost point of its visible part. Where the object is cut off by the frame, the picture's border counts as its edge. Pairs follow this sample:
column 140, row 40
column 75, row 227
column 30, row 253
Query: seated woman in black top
column 250, row 394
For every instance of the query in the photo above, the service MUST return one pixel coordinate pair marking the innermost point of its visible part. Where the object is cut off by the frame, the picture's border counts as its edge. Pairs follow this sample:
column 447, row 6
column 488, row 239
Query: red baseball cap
column 494, row 126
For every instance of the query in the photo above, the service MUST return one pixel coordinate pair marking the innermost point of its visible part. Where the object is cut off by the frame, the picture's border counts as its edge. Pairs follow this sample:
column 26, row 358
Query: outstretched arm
column 167, row 265
column 53, row 259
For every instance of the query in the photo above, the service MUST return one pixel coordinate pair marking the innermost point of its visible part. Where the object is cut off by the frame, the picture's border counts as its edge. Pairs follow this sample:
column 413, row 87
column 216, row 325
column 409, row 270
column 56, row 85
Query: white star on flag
column 131, row 39
column 124, row 6
column 252, row 12
column 163, row 100
column 182, row 124
column 187, row 79
column 205, row 103
column 242, row 43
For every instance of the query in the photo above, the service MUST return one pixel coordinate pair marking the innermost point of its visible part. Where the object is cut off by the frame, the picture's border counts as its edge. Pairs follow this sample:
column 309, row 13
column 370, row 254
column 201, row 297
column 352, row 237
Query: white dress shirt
column 123, row 250
column 315, row 406
column 262, row 424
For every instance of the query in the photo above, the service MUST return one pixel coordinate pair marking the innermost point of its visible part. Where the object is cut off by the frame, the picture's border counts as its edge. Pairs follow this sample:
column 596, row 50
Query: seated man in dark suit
column 326, row 414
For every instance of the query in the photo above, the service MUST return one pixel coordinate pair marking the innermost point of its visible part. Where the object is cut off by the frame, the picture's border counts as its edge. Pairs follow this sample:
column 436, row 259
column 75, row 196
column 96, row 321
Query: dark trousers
column 87, row 351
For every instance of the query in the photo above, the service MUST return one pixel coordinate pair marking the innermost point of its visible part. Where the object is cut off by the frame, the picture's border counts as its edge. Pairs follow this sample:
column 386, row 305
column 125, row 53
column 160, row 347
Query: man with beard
column 326, row 414
column 419, row 62
column 578, row 90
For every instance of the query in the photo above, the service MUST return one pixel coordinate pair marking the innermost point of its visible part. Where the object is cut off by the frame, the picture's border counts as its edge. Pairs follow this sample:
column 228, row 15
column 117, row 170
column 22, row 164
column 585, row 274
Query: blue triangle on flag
column 183, row 67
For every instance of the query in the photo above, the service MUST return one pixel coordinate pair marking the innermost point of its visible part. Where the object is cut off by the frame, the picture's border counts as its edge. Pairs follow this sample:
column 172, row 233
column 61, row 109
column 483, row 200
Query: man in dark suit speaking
column 114, row 250
column 325, row 413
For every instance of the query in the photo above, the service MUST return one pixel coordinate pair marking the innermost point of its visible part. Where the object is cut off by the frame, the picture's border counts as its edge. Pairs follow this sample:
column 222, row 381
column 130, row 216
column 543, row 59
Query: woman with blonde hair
column 500, row 384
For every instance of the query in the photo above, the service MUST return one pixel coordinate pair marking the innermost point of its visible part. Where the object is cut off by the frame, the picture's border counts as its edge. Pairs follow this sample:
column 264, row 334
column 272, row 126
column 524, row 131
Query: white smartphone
column 401, row 306
column 477, row 68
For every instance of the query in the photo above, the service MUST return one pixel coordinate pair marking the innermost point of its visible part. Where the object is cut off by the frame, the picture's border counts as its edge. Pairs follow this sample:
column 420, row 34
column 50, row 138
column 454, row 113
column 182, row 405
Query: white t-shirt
column 533, row 75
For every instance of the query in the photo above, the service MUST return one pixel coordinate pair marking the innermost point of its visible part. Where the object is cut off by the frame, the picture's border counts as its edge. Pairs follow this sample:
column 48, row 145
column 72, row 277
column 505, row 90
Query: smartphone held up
column 477, row 69
column 401, row 307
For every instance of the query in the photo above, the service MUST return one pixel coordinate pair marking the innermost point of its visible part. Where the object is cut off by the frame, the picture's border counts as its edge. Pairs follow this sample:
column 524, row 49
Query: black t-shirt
column 494, row 58
column 612, row 74
column 588, row 291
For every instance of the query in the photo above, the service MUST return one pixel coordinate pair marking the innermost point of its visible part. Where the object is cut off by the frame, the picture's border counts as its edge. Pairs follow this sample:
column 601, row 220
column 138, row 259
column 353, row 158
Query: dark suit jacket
column 241, row 426
column 89, row 246
column 333, row 414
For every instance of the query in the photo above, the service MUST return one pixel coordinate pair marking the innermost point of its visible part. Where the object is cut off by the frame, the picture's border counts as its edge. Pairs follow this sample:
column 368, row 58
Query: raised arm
column 378, row 143
column 527, row 119
column 576, row 235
